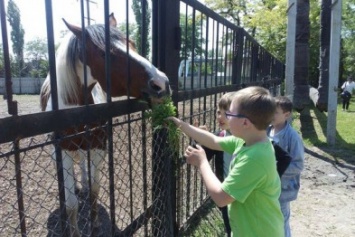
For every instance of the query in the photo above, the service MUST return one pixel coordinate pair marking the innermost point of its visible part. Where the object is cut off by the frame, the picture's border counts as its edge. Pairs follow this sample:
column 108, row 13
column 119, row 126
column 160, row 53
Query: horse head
column 130, row 73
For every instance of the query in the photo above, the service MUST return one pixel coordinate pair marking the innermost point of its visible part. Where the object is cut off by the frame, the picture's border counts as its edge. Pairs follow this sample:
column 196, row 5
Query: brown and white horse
column 145, row 79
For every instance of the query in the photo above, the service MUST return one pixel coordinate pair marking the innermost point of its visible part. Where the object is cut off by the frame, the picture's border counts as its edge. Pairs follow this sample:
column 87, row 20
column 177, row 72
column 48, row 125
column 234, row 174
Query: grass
column 312, row 126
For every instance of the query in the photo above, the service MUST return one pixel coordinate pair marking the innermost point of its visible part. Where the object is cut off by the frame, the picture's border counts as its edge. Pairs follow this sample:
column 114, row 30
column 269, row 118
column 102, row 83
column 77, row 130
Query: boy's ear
column 247, row 122
column 288, row 114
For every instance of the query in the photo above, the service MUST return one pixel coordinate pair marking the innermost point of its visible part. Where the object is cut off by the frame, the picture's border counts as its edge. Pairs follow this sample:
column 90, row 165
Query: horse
column 146, row 81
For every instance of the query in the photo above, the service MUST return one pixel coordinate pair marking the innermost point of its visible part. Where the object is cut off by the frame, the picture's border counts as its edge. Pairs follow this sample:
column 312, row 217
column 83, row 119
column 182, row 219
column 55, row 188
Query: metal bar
column 39, row 123
column 19, row 189
column 11, row 105
column 54, row 97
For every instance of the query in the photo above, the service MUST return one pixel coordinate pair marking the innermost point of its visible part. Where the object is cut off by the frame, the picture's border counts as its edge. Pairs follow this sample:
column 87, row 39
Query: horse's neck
column 70, row 80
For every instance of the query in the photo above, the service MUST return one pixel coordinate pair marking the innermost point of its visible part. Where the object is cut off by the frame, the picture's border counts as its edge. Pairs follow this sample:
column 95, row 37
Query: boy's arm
column 196, row 157
column 214, row 186
column 201, row 136
column 296, row 151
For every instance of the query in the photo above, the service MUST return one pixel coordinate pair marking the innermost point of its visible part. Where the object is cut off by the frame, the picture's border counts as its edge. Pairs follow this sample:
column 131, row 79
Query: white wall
column 23, row 85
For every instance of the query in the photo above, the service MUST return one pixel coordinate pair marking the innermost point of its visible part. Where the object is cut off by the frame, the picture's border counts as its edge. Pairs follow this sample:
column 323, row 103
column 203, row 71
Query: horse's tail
column 45, row 93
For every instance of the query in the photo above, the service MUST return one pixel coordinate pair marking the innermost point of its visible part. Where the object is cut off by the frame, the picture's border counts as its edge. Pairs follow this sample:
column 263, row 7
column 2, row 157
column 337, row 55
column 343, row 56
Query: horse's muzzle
column 156, row 91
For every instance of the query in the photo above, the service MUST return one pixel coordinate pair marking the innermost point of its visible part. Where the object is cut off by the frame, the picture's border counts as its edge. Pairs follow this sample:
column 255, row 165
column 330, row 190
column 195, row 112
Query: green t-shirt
column 255, row 185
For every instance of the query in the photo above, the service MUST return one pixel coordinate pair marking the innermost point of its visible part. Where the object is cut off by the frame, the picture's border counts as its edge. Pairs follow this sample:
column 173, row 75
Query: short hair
column 226, row 100
column 284, row 103
column 257, row 104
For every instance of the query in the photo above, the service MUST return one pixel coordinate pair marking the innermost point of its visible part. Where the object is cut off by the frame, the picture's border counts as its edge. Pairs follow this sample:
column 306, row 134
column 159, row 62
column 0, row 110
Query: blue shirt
column 289, row 140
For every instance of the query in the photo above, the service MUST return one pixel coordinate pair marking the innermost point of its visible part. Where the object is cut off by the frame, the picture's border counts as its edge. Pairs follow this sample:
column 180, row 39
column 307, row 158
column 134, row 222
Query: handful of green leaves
column 158, row 116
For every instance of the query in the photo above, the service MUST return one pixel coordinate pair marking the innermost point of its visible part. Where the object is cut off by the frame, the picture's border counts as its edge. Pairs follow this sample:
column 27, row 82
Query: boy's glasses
column 230, row 116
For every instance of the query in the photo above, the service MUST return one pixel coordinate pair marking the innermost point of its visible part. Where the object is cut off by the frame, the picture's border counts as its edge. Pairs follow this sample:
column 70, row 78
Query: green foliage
column 348, row 38
column 137, row 8
column 132, row 30
column 187, row 37
column 271, row 36
column 158, row 116
column 41, row 70
column 17, row 32
column 37, row 58
column 208, row 222
column 266, row 20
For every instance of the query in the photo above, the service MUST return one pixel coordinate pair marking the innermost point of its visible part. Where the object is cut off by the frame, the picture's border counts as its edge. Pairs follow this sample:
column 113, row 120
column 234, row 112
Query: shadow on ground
column 105, row 229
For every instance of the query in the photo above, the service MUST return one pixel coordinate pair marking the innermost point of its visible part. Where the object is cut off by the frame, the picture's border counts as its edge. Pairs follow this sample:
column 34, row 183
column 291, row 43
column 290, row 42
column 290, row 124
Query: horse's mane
column 45, row 93
column 97, row 36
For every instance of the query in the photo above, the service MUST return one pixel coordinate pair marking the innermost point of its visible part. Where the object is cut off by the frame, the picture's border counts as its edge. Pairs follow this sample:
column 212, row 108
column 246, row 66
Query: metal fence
column 144, row 189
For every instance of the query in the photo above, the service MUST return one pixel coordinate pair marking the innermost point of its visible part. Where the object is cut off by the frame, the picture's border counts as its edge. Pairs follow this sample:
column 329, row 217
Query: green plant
column 158, row 116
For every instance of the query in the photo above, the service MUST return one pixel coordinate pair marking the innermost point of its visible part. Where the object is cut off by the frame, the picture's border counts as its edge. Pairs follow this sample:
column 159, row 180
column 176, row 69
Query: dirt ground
column 326, row 203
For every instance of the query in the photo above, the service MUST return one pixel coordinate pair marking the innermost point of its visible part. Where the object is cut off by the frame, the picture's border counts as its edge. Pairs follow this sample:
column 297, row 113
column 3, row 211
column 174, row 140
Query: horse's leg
column 71, row 201
column 84, row 173
column 96, row 163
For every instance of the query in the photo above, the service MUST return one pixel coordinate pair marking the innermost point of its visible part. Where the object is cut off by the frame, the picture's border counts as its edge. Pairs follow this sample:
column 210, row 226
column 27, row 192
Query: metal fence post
column 166, row 49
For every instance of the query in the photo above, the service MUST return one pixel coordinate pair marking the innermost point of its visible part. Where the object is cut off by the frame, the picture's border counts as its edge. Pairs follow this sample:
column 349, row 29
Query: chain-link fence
column 142, row 187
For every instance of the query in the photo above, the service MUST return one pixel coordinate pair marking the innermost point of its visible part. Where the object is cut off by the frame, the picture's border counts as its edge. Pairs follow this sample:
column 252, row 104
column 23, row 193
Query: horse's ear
column 76, row 30
column 112, row 20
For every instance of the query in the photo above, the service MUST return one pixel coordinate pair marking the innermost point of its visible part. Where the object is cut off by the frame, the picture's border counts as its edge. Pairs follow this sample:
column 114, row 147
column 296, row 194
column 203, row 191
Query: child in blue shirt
column 282, row 133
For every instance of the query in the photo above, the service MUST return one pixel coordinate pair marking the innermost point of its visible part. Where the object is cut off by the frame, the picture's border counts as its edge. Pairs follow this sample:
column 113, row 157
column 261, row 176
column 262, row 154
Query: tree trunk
column 301, row 89
column 325, row 19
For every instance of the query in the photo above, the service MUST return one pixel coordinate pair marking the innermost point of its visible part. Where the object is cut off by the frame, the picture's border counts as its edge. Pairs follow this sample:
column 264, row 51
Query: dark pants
column 225, row 217
column 218, row 155
column 346, row 102
column 346, row 99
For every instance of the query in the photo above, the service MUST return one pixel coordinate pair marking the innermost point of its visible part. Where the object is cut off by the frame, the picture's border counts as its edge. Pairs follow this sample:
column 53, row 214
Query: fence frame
column 264, row 70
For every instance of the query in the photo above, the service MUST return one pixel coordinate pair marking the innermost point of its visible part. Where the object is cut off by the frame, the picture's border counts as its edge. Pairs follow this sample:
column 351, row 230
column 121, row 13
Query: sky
column 33, row 17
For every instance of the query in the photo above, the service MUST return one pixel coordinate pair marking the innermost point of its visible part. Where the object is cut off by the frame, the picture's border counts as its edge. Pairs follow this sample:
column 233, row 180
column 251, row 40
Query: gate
column 144, row 190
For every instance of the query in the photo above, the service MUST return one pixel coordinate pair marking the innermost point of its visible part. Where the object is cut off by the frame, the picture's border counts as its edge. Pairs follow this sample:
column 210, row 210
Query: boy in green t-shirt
column 252, row 188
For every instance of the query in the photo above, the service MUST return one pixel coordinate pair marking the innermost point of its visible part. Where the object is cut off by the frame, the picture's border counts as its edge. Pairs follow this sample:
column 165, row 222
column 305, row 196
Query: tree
column 301, row 86
column 17, row 34
column 143, row 25
column 132, row 28
column 271, row 36
column 233, row 10
column 37, row 57
column 348, row 39
column 325, row 19
column 191, row 34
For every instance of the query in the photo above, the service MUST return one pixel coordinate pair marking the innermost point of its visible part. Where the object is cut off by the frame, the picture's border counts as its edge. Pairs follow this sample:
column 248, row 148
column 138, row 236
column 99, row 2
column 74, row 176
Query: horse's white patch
column 98, row 94
column 80, row 71
column 158, row 77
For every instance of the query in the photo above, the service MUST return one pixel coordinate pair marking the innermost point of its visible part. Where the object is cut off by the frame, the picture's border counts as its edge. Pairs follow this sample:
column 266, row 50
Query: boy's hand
column 197, row 124
column 175, row 120
column 204, row 127
column 195, row 156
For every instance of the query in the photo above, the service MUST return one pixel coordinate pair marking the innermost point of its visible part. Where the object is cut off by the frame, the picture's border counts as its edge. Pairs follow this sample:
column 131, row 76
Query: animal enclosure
column 144, row 189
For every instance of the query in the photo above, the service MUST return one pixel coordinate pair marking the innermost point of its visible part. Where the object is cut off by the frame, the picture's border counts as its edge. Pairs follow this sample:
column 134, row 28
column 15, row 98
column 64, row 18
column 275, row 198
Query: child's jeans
column 285, row 208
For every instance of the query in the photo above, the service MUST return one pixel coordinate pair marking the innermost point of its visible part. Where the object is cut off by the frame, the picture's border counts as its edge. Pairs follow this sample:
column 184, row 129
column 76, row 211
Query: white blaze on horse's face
column 158, row 81
column 80, row 71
